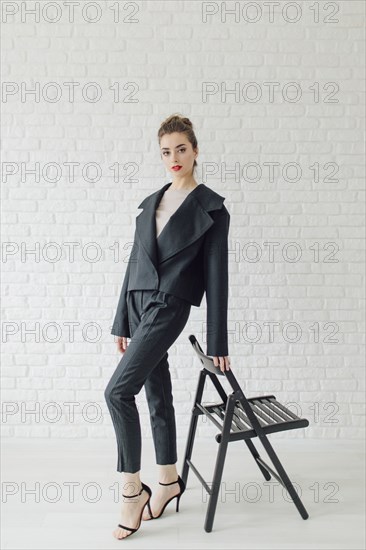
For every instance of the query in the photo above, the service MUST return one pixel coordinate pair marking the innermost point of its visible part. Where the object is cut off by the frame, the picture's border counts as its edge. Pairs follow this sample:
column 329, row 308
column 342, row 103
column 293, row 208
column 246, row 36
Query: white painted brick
column 36, row 383
column 306, row 212
column 15, row 395
column 33, row 431
column 69, row 432
column 8, row 382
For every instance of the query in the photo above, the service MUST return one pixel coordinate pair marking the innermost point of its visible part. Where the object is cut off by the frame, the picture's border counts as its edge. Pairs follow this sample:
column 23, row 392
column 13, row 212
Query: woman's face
column 177, row 151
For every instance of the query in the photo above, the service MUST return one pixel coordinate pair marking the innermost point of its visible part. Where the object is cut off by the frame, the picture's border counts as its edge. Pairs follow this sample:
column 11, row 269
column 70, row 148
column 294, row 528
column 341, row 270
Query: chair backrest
column 209, row 365
column 206, row 360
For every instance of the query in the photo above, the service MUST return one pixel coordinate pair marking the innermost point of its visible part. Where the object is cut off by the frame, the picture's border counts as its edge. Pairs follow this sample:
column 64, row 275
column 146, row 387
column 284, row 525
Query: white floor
column 39, row 511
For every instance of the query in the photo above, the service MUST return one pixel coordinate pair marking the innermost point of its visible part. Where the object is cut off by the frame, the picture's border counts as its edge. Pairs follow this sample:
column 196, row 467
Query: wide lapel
column 146, row 224
column 183, row 228
column 188, row 223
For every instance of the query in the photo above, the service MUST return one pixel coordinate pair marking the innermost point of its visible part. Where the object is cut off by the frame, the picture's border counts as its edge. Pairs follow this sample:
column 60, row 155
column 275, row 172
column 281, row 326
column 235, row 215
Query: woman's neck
column 184, row 185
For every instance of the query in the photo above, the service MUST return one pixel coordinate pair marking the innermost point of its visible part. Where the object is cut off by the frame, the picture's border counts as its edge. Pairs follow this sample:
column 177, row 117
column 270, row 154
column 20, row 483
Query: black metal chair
column 238, row 418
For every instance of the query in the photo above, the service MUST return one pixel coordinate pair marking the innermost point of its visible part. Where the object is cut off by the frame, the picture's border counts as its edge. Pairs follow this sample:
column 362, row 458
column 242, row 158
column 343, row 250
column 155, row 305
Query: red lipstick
column 176, row 168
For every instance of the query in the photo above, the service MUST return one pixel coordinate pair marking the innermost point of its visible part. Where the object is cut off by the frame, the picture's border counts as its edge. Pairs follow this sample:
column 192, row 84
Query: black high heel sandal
column 182, row 486
column 133, row 530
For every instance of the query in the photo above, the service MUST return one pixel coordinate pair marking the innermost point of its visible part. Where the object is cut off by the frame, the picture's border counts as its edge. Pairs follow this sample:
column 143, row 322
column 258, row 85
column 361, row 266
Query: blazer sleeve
column 215, row 261
column 120, row 324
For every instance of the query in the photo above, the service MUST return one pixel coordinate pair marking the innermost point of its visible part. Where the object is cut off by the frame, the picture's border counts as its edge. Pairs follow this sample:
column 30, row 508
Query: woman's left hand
column 222, row 362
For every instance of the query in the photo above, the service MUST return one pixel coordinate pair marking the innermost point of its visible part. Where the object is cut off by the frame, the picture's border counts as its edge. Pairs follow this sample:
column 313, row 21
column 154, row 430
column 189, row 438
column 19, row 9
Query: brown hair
column 179, row 123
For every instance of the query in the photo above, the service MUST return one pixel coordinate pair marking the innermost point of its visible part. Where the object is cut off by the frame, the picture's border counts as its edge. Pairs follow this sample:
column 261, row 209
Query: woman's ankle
column 167, row 473
column 131, row 483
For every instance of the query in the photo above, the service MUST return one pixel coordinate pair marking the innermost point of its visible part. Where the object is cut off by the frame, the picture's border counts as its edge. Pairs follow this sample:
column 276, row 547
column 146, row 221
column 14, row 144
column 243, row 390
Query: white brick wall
column 164, row 57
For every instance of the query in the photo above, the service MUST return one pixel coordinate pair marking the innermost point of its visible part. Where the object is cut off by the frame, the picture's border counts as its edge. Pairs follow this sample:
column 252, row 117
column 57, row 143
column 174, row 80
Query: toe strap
column 124, row 527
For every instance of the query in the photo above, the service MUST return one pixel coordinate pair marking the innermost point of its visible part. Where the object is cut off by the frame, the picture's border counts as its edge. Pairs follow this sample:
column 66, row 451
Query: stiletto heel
column 148, row 490
column 182, row 487
column 177, row 509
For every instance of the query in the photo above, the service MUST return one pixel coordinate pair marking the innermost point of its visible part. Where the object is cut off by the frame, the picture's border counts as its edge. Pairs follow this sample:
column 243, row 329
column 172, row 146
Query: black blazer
column 189, row 257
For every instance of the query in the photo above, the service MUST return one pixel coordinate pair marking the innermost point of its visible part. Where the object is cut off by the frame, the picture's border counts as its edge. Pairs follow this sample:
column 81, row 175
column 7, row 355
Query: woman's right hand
column 122, row 343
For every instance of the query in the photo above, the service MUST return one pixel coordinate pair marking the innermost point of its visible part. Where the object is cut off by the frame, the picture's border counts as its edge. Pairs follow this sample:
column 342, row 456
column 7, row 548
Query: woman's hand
column 222, row 362
column 122, row 343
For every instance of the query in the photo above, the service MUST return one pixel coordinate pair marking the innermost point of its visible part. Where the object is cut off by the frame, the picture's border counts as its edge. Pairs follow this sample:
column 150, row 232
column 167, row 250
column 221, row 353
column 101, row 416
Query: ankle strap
column 169, row 483
column 131, row 496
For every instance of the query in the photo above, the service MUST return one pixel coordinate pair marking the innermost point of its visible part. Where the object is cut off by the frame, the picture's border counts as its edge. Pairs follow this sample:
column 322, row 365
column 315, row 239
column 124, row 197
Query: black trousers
column 156, row 320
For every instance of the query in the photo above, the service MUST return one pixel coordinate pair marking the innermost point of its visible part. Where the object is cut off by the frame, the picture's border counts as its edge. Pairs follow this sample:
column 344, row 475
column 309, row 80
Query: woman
column 180, row 252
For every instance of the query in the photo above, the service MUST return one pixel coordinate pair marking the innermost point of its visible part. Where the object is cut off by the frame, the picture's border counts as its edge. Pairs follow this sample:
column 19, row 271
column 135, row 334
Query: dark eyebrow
column 167, row 148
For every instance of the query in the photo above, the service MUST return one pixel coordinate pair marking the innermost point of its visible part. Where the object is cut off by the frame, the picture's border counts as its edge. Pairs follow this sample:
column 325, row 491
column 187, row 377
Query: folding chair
column 238, row 418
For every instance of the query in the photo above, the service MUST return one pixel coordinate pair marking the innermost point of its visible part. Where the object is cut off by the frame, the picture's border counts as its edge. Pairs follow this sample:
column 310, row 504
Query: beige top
column 170, row 202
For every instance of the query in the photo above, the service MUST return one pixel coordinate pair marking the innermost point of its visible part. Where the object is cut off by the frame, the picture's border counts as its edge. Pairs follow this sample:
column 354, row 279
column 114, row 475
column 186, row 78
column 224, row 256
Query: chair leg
column 219, row 466
column 193, row 427
column 286, row 480
column 189, row 447
column 215, row 488
column 255, row 454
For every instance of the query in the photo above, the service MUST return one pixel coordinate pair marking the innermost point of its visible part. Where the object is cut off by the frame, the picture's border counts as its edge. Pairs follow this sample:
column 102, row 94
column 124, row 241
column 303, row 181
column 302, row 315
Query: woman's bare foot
column 130, row 513
column 159, row 498
column 131, row 507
